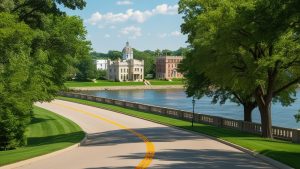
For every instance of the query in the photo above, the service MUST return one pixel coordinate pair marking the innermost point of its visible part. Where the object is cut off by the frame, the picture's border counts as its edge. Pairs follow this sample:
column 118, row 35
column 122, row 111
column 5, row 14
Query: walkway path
column 117, row 141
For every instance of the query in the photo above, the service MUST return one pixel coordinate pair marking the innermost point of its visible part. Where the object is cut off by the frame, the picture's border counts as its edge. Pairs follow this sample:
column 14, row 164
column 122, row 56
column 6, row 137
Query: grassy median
column 101, row 83
column 46, row 133
column 283, row 151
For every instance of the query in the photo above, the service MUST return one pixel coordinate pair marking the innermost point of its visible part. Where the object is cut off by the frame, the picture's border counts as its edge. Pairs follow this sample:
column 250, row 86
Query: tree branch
column 286, row 86
column 237, row 97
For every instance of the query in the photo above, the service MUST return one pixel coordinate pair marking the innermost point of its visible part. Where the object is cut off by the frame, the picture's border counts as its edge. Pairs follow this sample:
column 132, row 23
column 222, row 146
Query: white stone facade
column 101, row 64
column 127, row 69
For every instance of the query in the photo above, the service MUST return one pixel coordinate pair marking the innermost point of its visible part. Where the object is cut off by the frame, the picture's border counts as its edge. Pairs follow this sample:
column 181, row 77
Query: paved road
column 117, row 141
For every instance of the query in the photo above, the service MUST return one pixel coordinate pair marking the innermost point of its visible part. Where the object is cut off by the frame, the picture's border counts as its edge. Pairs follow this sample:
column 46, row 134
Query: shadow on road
column 154, row 134
column 174, row 158
column 192, row 159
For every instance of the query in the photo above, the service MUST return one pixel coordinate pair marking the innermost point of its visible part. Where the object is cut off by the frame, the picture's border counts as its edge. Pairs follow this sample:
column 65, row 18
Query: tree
column 148, row 60
column 86, row 69
column 101, row 74
column 114, row 55
column 166, row 52
column 246, row 46
column 39, row 45
column 297, row 117
column 197, row 85
column 15, row 99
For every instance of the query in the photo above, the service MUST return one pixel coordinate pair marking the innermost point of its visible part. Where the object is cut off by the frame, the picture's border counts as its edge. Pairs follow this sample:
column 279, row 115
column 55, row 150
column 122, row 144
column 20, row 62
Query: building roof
column 127, row 49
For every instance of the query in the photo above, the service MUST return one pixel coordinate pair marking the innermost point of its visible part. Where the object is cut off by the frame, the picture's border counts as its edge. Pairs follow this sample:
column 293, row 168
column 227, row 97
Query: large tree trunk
column 248, row 108
column 266, row 120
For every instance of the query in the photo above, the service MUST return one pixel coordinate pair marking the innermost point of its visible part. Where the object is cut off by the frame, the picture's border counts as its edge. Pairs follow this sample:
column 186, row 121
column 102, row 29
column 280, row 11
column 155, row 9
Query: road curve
column 117, row 141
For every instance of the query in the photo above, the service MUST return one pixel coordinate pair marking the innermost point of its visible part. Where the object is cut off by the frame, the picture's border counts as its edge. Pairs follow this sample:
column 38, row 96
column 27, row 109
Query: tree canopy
column 247, row 47
column 39, row 45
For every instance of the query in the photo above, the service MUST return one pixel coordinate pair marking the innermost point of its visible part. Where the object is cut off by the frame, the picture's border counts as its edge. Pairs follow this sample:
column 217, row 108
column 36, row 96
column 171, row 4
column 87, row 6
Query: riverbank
column 106, row 83
column 149, row 87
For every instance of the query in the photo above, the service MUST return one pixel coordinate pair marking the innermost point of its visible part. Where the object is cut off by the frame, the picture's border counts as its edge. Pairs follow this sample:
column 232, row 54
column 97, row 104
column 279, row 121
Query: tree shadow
column 36, row 120
column 192, row 159
column 73, row 137
column 154, row 134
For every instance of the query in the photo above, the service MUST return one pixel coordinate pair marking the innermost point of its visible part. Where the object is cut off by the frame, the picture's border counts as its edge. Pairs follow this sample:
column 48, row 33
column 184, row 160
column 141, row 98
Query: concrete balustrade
column 278, row 132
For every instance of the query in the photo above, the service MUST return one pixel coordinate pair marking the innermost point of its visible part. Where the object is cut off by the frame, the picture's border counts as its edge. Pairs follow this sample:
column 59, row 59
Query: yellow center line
column 150, row 149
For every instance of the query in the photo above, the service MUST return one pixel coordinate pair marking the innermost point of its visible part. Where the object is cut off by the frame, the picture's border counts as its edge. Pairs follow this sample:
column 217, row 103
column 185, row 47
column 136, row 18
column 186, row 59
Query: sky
column 146, row 24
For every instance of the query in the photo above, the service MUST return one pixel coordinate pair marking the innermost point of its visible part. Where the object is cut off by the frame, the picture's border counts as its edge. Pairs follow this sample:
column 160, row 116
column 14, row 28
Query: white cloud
column 165, row 9
column 107, row 35
column 124, row 2
column 95, row 18
column 162, row 35
column 175, row 33
column 132, row 31
column 134, row 15
column 172, row 34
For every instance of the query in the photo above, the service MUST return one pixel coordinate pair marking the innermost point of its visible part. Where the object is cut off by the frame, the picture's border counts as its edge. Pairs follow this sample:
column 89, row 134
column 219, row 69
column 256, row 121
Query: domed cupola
column 127, row 52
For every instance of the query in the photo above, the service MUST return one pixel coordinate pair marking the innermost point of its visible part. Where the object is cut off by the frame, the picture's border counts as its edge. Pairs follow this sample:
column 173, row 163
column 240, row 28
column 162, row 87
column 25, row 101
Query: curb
column 45, row 156
column 266, row 159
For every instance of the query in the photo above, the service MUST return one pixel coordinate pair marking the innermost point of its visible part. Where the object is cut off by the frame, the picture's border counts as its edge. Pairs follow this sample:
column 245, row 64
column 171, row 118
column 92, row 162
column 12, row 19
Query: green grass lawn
column 46, row 133
column 110, row 83
column 283, row 151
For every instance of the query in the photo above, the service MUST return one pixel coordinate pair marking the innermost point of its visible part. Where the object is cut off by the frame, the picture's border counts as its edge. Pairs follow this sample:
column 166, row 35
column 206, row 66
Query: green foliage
column 297, row 117
column 86, row 69
column 101, row 74
column 114, row 55
column 248, row 47
column 39, row 46
column 149, row 60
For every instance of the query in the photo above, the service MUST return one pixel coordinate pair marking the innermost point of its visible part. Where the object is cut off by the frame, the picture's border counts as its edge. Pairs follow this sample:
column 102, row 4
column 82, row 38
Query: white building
column 127, row 69
column 101, row 64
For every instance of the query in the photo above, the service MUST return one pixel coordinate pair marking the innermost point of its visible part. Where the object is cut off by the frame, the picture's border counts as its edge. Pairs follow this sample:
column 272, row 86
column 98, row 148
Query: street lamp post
column 193, row 101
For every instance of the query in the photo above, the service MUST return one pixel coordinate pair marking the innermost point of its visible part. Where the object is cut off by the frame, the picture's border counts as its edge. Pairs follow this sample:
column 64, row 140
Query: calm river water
column 176, row 98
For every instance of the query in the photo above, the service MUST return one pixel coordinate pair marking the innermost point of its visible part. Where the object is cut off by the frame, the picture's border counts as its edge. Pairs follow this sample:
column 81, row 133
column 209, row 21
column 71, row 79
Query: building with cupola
column 127, row 68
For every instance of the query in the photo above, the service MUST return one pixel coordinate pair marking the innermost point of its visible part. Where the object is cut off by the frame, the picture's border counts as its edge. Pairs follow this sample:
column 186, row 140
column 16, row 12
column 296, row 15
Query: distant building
column 101, row 64
column 166, row 67
column 127, row 69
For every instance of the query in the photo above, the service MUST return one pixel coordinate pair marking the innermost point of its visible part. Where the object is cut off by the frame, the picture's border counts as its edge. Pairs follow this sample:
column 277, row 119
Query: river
column 176, row 98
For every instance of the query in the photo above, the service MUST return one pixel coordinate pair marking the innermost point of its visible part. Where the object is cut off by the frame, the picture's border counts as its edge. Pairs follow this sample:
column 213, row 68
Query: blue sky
column 146, row 24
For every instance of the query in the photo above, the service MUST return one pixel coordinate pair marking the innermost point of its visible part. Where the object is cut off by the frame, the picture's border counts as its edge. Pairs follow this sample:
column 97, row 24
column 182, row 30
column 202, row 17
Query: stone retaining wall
column 278, row 132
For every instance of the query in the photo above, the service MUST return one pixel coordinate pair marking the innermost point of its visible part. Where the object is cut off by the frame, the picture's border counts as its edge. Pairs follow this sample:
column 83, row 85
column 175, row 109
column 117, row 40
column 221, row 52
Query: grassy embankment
column 283, row 151
column 110, row 83
column 46, row 133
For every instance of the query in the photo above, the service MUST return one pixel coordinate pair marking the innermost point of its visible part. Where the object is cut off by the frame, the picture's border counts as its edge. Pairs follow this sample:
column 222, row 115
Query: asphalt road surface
column 117, row 141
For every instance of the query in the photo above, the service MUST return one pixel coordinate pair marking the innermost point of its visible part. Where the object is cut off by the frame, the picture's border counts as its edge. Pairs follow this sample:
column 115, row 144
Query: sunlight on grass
column 46, row 133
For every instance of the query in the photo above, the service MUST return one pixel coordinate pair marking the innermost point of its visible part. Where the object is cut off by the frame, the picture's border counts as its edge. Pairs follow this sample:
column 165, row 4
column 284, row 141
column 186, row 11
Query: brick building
column 166, row 67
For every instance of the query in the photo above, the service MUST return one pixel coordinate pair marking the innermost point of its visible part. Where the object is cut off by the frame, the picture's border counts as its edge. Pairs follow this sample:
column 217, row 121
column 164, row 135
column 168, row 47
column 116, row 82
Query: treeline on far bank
column 86, row 68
